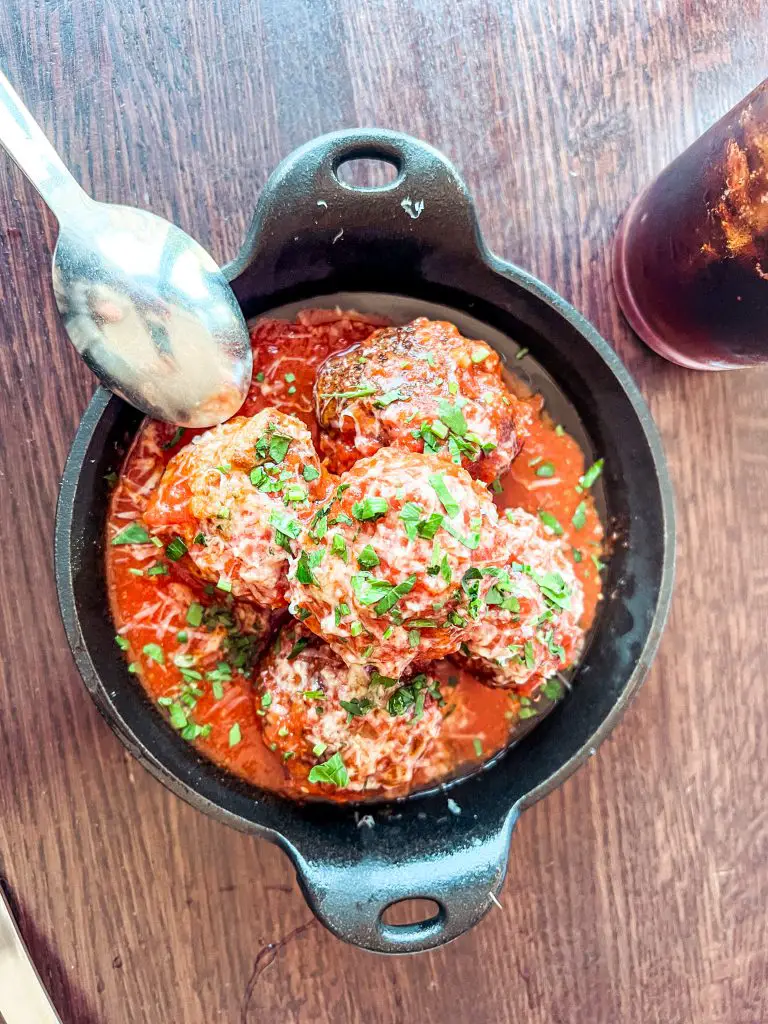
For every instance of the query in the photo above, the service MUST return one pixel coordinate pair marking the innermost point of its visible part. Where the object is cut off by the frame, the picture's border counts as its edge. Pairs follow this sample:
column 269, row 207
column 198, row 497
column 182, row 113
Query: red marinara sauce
column 167, row 621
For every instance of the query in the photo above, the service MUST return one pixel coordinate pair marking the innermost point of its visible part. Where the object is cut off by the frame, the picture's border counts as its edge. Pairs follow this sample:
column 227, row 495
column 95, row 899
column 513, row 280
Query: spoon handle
column 24, row 141
column 23, row 1000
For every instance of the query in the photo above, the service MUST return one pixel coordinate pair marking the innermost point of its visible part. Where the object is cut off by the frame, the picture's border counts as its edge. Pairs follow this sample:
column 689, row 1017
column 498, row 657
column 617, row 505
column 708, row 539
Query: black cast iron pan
column 313, row 237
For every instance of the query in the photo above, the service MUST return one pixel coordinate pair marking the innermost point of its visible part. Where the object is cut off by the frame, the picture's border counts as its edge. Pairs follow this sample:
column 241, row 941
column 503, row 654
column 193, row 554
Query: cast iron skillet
column 351, row 867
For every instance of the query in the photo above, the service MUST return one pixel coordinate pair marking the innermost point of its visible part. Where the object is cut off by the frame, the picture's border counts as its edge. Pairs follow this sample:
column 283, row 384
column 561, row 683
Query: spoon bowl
column 151, row 314
column 143, row 303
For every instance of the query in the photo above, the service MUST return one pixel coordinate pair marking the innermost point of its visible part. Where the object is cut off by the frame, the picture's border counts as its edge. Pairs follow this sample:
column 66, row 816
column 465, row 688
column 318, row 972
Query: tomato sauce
column 150, row 595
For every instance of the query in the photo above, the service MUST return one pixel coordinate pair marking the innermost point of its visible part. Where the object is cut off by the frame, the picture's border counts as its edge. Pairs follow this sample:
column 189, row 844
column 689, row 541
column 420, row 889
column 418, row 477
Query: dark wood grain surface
column 638, row 891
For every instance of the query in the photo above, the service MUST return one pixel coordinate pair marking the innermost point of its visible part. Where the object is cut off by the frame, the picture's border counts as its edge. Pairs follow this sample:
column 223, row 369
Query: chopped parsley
column 368, row 590
column 235, row 735
column 176, row 549
column 380, row 593
column 301, row 644
column 195, row 614
column 452, row 417
column 471, row 542
column 530, row 661
column 580, row 515
column 310, row 473
column 410, row 514
column 332, row 771
column 134, row 533
column 427, row 528
column 389, row 397
column 550, row 522
column 122, row 643
column 339, row 547
column 409, row 695
column 357, row 707
column 305, row 565
column 364, row 391
column 294, row 492
column 340, row 612
column 449, row 503
column 368, row 559
column 591, row 475
column 154, row 652
column 177, row 436
column 286, row 529
column 370, row 508
column 545, row 469
column 278, row 445
column 553, row 587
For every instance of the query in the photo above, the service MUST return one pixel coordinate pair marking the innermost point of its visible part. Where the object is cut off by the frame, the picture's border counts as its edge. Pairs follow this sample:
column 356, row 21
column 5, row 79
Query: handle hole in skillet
column 404, row 913
column 368, row 174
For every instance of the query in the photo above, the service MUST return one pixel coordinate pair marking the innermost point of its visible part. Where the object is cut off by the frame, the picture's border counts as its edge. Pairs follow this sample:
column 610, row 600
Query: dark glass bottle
column 690, row 259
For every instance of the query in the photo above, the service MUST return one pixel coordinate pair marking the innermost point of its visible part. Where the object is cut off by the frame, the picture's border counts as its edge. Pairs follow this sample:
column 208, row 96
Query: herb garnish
column 195, row 614
column 389, row 397
column 362, row 392
column 154, row 652
column 452, row 417
column 580, row 515
column 370, row 508
column 333, row 771
column 134, row 533
column 449, row 503
column 367, row 558
column 591, row 475
column 177, row 436
column 176, row 549
column 339, row 547
column 357, row 707
column 550, row 522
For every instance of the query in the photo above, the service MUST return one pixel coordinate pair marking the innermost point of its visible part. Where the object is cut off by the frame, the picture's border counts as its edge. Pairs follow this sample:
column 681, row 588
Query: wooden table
column 638, row 891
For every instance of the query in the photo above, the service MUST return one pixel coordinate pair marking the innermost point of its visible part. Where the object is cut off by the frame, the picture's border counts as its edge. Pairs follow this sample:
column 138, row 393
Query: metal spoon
column 23, row 1000
column 144, row 304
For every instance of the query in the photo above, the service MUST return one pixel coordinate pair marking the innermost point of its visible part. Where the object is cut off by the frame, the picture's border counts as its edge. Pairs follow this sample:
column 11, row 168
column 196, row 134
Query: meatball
column 422, row 387
column 529, row 628
column 234, row 497
column 379, row 570
column 339, row 726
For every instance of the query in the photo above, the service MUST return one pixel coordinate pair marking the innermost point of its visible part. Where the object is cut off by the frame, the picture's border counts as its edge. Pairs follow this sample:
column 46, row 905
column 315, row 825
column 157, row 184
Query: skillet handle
column 459, row 865
column 310, row 227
